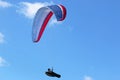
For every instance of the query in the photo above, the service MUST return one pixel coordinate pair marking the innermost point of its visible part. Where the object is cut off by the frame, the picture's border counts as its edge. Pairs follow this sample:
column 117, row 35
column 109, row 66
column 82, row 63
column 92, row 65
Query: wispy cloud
column 29, row 9
column 5, row 4
column 54, row 21
column 3, row 62
column 88, row 78
column 1, row 38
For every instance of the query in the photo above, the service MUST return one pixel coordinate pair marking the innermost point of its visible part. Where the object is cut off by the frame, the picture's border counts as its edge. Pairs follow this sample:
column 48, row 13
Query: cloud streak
column 1, row 38
column 5, row 4
column 87, row 78
column 29, row 9
column 3, row 62
column 54, row 21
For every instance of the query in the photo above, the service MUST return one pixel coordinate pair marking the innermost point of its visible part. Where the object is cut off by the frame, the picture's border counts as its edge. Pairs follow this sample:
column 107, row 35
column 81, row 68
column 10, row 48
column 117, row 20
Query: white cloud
column 3, row 62
column 87, row 78
column 54, row 21
column 5, row 4
column 29, row 9
column 1, row 38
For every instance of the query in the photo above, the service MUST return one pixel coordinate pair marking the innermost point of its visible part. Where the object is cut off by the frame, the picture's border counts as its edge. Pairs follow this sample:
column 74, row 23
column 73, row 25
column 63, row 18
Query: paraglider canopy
column 52, row 74
column 42, row 17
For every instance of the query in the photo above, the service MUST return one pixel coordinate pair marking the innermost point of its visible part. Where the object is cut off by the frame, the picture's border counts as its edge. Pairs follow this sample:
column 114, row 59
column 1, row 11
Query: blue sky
column 85, row 46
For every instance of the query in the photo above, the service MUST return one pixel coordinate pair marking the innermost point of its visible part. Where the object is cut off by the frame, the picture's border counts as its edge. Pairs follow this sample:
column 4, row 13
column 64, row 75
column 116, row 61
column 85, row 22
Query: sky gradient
column 85, row 46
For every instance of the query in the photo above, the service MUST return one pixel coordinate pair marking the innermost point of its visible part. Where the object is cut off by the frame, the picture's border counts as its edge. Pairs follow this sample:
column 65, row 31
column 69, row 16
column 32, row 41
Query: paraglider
column 52, row 74
column 42, row 17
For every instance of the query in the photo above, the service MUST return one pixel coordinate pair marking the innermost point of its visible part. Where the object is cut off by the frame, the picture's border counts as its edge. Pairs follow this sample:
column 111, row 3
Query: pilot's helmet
column 48, row 69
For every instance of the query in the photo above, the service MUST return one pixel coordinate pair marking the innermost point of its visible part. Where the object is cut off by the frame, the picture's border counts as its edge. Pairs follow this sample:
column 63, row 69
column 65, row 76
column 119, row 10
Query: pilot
column 52, row 74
